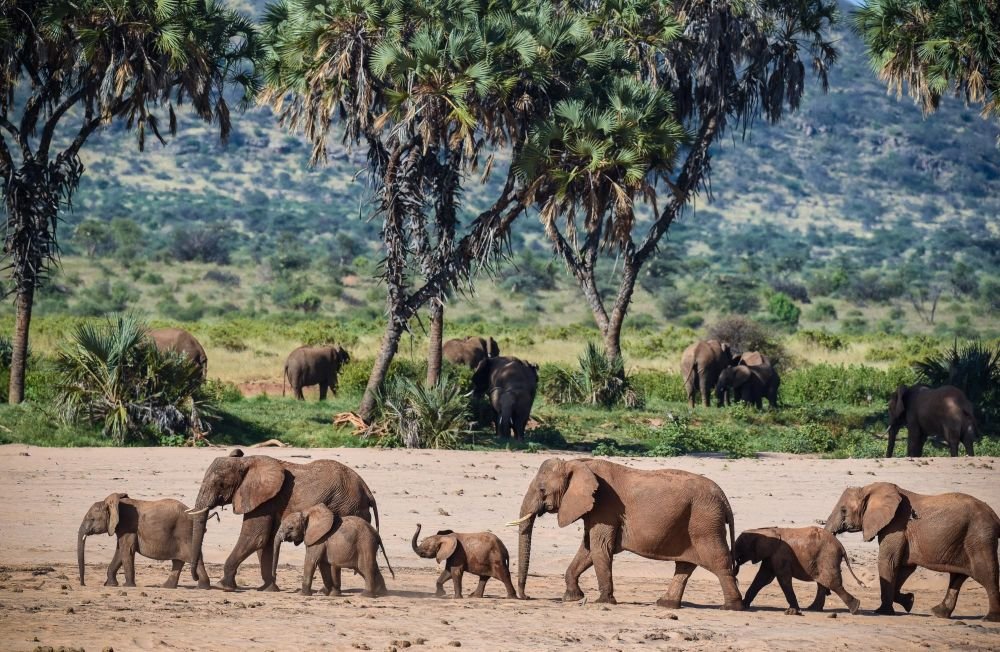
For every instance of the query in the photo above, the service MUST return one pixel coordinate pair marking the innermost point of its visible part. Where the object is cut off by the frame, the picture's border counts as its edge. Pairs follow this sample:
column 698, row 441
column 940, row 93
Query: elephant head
column 562, row 487
column 493, row 349
column 246, row 482
column 752, row 546
column 102, row 517
column 868, row 509
column 339, row 355
column 309, row 526
column 731, row 378
column 440, row 546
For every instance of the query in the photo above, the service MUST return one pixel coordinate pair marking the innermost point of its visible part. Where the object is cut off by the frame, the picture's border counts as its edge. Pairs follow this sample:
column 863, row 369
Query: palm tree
column 68, row 67
column 934, row 47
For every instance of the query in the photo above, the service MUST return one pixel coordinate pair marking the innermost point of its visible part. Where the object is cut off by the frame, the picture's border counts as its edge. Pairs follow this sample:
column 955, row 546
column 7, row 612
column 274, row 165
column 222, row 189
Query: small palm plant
column 974, row 368
column 601, row 380
column 112, row 374
column 418, row 416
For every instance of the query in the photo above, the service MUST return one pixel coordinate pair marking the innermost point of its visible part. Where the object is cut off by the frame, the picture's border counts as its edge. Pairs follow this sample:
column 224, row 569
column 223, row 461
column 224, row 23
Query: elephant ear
column 449, row 543
column 578, row 499
column 494, row 348
column 897, row 404
column 481, row 376
column 112, row 502
column 261, row 482
column 881, row 502
column 320, row 521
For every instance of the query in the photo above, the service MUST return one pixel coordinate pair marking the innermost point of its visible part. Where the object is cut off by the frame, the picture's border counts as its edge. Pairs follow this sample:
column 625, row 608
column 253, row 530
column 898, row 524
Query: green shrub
column 315, row 333
column 783, row 311
column 413, row 415
column 854, row 384
column 598, row 381
column 354, row 375
column 228, row 336
column 822, row 311
column 823, row 339
column 660, row 386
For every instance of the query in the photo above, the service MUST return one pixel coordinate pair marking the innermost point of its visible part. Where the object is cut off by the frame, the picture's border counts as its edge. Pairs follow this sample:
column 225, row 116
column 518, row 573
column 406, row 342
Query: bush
column 105, row 297
column 746, row 335
column 207, row 244
column 228, row 336
column 354, row 375
column 599, row 381
column 822, row 311
column 854, row 384
column 223, row 278
column 823, row 339
column 782, row 311
column 415, row 416
column 660, row 386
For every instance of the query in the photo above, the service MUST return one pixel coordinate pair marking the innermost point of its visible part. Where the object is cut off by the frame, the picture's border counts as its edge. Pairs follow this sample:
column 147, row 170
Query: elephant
column 752, row 359
column 332, row 543
column 951, row 533
column 470, row 351
column 314, row 365
column 809, row 554
column 662, row 514
column 944, row 411
column 701, row 364
column 180, row 341
column 511, row 384
column 265, row 490
column 157, row 529
column 750, row 384
column 479, row 553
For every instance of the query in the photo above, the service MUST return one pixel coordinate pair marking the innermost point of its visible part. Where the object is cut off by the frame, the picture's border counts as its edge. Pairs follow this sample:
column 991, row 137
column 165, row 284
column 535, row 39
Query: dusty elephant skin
column 669, row 515
column 470, row 351
column 314, row 365
column 334, row 543
column 157, row 529
column 808, row 554
column 510, row 384
column 180, row 341
column 950, row 533
column 943, row 412
column 750, row 384
column 265, row 490
column 478, row 553
column 701, row 364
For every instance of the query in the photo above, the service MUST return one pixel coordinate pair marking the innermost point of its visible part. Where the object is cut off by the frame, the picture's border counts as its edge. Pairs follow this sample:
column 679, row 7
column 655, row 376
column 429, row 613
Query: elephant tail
column 847, row 560
column 732, row 534
column 386, row 558
column 284, row 380
column 507, row 400
column 371, row 502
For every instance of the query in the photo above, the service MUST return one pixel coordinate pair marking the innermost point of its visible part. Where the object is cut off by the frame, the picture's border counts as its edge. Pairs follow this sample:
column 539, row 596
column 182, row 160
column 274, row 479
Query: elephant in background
column 951, row 533
column 944, row 412
column 470, row 351
column 157, row 529
column 752, row 359
column 314, row 365
column 332, row 543
column 661, row 514
column 479, row 553
column 511, row 385
column 265, row 490
column 179, row 340
column 750, row 384
column 701, row 364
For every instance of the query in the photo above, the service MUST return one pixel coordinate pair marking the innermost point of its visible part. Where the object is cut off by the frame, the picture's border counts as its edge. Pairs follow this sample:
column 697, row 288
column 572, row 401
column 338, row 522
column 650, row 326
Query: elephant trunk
column 199, row 523
column 81, row 542
column 835, row 524
column 529, row 508
column 413, row 542
column 278, row 538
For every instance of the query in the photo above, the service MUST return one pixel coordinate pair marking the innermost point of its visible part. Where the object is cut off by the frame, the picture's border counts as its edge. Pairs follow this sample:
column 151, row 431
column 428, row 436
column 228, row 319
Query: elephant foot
column 111, row 582
column 170, row 584
column 734, row 605
column 854, row 606
column 270, row 588
column 204, row 584
column 572, row 595
column 793, row 611
column 606, row 599
column 306, row 592
column 228, row 585
column 992, row 617
column 814, row 607
column 369, row 594
column 886, row 610
column 129, row 585
column 669, row 603
column 439, row 593
column 941, row 611
column 906, row 601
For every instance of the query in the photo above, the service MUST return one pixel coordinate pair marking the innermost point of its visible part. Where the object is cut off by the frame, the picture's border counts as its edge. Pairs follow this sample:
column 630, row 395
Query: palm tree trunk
column 19, row 354
column 434, row 346
column 390, row 343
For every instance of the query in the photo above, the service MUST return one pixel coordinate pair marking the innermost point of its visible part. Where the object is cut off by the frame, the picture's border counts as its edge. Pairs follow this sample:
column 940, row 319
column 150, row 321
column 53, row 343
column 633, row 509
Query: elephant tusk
column 469, row 394
column 195, row 512
column 520, row 520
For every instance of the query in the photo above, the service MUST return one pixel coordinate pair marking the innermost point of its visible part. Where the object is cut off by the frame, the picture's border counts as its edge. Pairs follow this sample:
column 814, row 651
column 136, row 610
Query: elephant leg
column 602, row 550
column 128, row 561
column 456, row 581
column 298, row 393
column 820, row 600
column 253, row 537
column 955, row 582
column 914, row 442
column 370, row 575
column 764, row 577
column 581, row 562
column 326, row 573
column 478, row 593
column 265, row 556
column 986, row 571
column 203, row 580
column 439, row 587
column 176, row 566
column 322, row 391
column 852, row 603
column 116, row 563
column 336, row 578
column 706, row 396
column 905, row 600
column 672, row 598
column 502, row 573
column 785, row 582
column 308, row 570
column 967, row 440
column 888, row 570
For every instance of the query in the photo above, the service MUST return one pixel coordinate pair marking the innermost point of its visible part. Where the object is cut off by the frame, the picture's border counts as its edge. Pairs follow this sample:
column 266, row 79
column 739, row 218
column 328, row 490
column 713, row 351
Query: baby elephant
column 480, row 553
column 157, row 529
column 809, row 554
column 334, row 542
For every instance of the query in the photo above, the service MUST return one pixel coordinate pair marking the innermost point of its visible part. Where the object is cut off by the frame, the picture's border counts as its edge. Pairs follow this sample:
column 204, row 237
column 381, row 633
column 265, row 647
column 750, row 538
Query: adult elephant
column 470, row 351
column 752, row 359
column 701, row 364
column 750, row 384
column 314, row 365
column 180, row 341
column 942, row 412
column 660, row 514
column 511, row 384
column 265, row 490
column 950, row 533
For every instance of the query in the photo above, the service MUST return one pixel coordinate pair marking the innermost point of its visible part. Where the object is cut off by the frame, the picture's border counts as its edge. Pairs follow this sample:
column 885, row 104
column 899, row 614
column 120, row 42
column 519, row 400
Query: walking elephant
column 265, row 490
column 661, row 514
column 180, row 341
column 511, row 384
column 701, row 364
column 314, row 365
column 942, row 412
column 478, row 553
column 157, row 529
column 470, row 351
column 950, row 533
column 750, row 384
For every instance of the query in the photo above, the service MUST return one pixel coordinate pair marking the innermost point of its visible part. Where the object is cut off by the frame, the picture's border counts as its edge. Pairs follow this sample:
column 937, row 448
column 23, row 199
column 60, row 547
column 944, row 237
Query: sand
column 47, row 491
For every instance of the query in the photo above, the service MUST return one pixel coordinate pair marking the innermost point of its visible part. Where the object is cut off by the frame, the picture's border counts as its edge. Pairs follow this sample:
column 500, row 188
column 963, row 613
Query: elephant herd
column 662, row 514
